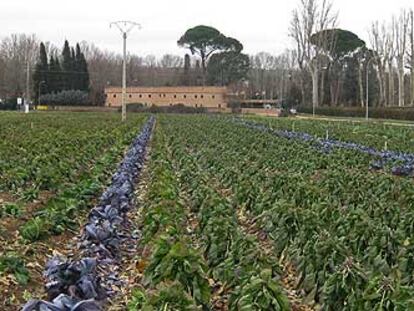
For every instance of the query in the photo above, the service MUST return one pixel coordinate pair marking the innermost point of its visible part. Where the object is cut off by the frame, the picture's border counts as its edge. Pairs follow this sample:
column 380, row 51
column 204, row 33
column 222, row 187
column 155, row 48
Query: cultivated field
column 227, row 213
column 52, row 167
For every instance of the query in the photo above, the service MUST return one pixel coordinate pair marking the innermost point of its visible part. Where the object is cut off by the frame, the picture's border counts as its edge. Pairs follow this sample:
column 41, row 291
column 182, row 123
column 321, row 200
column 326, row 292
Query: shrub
column 9, row 104
column 66, row 98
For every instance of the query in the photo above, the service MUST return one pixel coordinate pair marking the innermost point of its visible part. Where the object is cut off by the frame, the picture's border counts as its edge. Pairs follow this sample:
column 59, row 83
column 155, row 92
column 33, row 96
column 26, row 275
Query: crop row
column 199, row 254
column 45, row 152
column 380, row 136
column 346, row 230
column 402, row 163
column 41, row 224
column 82, row 284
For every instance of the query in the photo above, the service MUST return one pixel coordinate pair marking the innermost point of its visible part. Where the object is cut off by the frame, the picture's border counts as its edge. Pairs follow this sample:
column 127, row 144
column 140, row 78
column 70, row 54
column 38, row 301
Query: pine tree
column 52, row 75
column 85, row 74
column 78, row 68
column 73, row 73
column 58, row 76
column 41, row 73
column 66, row 67
column 187, row 66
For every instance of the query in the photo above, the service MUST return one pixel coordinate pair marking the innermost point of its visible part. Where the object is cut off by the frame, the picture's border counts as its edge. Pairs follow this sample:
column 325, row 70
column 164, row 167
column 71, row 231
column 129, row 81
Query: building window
column 185, row 96
column 170, row 105
column 214, row 96
column 149, row 95
column 160, row 95
column 202, row 96
column 196, row 104
column 163, row 95
column 140, row 96
column 219, row 105
column 130, row 96
column 175, row 96
column 195, row 96
column 114, row 95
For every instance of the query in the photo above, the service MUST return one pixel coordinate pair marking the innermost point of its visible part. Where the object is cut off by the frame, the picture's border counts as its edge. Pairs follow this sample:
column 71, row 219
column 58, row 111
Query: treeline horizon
column 327, row 66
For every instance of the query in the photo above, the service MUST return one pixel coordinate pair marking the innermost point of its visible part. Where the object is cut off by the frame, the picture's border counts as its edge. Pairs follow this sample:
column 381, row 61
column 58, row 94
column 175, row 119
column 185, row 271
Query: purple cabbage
column 80, row 285
column 403, row 163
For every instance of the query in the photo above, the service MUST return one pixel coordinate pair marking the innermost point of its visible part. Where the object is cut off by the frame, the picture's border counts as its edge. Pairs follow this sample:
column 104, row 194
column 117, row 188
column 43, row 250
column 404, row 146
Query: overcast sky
column 261, row 25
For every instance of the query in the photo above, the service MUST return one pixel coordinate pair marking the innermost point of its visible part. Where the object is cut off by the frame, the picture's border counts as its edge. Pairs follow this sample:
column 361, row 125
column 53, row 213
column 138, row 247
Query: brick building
column 192, row 96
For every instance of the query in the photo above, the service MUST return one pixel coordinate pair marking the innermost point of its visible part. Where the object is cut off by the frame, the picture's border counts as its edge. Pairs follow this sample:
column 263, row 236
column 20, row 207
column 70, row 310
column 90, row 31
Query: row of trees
column 56, row 74
column 393, row 54
column 326, row 66
column 332, row 64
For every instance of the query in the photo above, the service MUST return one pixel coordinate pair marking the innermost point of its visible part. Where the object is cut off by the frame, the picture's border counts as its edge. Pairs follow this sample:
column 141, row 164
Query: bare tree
column 309, row 19
column 171, row 61
column 379, row 37
column 15, row 52
column 400, row 24
column 411, row 56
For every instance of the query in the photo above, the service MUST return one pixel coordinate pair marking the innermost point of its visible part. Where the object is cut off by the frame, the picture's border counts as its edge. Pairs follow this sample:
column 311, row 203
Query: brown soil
column 35, row 255
column 289, row 277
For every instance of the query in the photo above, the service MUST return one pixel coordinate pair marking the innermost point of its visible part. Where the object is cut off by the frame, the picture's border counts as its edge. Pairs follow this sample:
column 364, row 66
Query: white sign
column 19, row 101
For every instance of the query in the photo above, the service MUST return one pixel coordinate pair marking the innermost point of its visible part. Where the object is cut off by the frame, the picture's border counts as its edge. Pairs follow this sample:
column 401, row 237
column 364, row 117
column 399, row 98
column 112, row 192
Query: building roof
column 169, row 89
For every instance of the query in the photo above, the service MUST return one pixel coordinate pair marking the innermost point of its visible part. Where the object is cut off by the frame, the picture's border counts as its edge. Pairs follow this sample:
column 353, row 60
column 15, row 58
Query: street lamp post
column 367, row 91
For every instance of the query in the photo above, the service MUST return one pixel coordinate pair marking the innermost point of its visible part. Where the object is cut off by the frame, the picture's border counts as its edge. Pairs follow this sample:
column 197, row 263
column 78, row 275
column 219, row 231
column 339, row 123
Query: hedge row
column 70, row 97
column 397, row 113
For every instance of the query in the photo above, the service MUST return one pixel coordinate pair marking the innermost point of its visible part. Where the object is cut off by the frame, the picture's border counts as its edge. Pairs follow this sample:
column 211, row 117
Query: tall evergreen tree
column 187, row 67
column 78, row 68
column 73, row 74
column 58, row 76
column 52, row 75
column 85, row 73
column 40, row 76
column 66, row 67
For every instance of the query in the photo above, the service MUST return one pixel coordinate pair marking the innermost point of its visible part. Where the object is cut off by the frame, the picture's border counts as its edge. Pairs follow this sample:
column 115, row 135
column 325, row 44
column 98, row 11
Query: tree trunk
column 315, row 87
column 380, row 77
column 204, row 67
column 412, row 56
column 412, row 80
column 391, row 85
column 360, row 85
column 302, row 88
column 322, row 89
column 401, row 88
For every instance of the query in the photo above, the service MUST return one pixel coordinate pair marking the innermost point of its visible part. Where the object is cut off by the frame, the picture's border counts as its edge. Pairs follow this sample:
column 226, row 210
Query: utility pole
column 27, row 97
column 125, row 28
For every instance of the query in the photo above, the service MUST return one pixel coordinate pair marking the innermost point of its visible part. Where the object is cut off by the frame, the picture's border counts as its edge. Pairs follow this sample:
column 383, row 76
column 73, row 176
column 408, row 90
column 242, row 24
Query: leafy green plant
column 175, row 261
column 13, row 264
column 10, row 209
column 386, row 293
column 34, row 229
column 260, row 292
column 167, row 296
column 344, row 288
